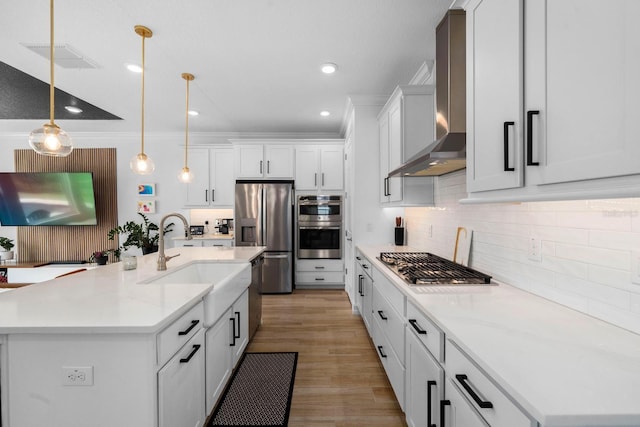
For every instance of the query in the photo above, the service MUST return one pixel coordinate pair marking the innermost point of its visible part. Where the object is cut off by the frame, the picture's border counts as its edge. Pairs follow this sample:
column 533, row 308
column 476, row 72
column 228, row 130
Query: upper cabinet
column 213, row 182
column 268, row 161
column 319, row 167
column 546, row 118
column 406, row 124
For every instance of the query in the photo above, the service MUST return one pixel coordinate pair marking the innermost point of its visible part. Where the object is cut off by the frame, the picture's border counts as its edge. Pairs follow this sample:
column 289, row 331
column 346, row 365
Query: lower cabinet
column 181, row 386
column 364, row 290
column 319, row 273
column 225, row 341
column 456, row 412
column 424, row 385
column 393, row 366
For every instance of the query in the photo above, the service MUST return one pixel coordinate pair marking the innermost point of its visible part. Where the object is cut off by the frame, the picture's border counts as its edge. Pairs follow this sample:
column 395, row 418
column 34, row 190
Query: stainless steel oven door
column 319, row 241
column 319, row 208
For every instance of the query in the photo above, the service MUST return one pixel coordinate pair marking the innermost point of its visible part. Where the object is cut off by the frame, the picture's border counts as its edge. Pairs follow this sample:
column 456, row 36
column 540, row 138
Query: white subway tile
column 604, row 257
column 614, row 240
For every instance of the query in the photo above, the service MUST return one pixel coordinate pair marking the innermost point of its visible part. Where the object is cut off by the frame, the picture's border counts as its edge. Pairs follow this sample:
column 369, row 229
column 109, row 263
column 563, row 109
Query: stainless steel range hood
column 448, row 152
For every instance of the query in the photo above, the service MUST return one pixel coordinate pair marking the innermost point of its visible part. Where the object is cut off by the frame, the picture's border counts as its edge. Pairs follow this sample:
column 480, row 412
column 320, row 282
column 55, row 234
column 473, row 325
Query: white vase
column 6, row 255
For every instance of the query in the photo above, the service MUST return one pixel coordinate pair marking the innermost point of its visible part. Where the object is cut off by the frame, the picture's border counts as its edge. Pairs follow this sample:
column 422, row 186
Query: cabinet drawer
column 189, row 243
column 462, row 372
column 389, row 291
column 391, row 323
column 392, row 366
column 174, row 336
column 217, row 242
column 426, row 331
column 319, row 278
column 319, row 265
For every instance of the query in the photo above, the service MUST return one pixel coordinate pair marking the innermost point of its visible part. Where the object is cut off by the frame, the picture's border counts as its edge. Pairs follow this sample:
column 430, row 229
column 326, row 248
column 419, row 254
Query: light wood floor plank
column 339, row 379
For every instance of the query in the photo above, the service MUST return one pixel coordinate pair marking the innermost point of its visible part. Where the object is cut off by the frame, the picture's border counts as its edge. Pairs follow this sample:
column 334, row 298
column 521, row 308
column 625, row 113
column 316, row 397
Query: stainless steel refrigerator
column 264, row 217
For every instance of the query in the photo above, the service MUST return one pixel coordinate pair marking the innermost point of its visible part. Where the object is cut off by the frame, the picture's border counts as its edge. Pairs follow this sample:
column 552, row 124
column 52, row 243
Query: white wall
column 165, row 150
column 586, row 247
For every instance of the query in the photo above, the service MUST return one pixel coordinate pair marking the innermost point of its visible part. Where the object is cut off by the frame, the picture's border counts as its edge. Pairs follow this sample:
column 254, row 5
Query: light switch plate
column 535, row 249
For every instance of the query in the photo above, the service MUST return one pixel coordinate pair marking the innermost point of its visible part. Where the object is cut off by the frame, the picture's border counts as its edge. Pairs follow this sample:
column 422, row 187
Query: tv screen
column 47, row 198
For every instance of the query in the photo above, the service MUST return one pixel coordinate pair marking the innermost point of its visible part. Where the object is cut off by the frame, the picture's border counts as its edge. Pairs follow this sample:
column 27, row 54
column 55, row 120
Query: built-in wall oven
column 319, row 231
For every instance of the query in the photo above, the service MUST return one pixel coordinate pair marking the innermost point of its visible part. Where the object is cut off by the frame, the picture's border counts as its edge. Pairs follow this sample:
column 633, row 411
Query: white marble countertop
column 563, row 367
column 108, row 299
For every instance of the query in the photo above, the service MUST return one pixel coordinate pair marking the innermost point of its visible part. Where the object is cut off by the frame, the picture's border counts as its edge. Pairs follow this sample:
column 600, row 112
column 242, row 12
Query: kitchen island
column 507, row 357
column 108, row 347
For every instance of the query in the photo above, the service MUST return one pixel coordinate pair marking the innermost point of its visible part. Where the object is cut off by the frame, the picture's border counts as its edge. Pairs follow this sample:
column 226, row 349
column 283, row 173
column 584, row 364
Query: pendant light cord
column 52, row 88
column 142, row 118
column 186, row 128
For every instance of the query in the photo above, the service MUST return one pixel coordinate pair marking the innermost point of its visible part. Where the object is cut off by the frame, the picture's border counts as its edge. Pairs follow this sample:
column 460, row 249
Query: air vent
column 65, row 55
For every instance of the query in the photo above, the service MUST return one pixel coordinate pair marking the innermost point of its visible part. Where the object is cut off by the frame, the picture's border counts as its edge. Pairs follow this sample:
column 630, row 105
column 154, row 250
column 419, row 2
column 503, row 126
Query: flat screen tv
column 47, row 198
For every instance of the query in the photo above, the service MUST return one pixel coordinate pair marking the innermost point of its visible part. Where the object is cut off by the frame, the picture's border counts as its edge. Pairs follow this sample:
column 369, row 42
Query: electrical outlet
column 535, row 249
column 635, row 267
column 77, row 375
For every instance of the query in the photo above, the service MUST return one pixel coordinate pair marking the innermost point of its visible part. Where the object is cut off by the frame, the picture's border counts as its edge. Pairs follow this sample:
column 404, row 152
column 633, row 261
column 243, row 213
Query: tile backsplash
column 589, row 248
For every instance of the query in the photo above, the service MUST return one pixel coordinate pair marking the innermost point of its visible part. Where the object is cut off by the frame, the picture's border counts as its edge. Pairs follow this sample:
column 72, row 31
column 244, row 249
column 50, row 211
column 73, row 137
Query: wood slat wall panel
column 72, row 243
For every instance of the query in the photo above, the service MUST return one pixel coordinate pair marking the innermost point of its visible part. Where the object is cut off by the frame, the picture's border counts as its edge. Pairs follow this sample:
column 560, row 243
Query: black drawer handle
column 381, row 314
column 530, row 115
column 237, row 313
column 358, row 258
column 193, row 325
column 233, row 335
column 382, row 354
column 319, row 267
column 319, row 279
column 429, row 385
column 462, row 379
column 417, row 327
column 196, row 347
column 506, row 146
column 365, row 266
column 443, row 403
column 360, row 279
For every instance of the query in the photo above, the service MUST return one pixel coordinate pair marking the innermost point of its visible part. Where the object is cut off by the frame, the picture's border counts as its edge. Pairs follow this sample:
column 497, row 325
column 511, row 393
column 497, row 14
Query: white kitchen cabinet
column 364, row 290
column 545, row 120
column 424, row 384
column 226, row 341
column 393, row 367
column 268, row 161
column 203, row 242
column 213, row 179
column 455, row 411
column 181, row 384
column 406, row 124
column 319, row 168
column 319, row 273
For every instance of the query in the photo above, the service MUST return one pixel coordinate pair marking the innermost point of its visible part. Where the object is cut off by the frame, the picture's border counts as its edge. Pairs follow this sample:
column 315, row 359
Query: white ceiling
column 256, row 62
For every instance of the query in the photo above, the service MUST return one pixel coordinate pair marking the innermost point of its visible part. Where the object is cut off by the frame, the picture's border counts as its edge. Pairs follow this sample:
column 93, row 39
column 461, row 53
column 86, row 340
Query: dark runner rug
column 259, row 393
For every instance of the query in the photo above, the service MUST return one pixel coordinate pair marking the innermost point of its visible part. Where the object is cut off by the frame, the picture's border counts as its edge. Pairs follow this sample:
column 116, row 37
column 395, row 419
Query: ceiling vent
column 65, row 56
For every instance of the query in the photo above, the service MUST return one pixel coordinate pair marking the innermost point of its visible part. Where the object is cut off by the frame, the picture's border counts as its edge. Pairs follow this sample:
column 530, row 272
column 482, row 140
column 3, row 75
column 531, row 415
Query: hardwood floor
column 339, row 379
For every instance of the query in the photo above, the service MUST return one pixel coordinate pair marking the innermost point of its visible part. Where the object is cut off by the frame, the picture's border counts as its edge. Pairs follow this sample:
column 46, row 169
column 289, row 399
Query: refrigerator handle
column 262, row 215
column 279, row 256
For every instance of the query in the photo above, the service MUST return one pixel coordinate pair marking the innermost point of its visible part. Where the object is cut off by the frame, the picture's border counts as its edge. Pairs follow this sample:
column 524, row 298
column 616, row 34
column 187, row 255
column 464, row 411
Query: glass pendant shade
column 50, row 140
column 141, row 164
column 185, row 176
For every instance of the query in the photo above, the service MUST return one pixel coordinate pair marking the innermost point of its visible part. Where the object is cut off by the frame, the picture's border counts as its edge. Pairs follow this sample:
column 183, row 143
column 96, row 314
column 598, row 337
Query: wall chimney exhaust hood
column 448, row 152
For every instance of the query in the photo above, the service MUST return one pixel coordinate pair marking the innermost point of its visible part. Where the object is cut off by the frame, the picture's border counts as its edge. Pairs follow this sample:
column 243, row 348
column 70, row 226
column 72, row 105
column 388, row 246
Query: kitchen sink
column 229, row 281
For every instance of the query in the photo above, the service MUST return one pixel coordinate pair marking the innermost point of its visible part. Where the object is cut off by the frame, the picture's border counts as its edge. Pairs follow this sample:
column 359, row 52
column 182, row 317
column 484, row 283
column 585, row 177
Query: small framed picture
column 147, row 206
column 147, row 190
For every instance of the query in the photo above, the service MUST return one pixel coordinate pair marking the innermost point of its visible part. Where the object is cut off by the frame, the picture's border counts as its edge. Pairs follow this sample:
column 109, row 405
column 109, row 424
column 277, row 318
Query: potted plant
column 6, row 253
column 144, row 235
column 100, row 257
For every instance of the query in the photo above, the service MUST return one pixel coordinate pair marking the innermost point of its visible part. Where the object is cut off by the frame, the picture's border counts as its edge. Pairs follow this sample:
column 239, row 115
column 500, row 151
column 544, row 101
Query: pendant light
column 141, row 164
column 50, row 140
column 185, row 176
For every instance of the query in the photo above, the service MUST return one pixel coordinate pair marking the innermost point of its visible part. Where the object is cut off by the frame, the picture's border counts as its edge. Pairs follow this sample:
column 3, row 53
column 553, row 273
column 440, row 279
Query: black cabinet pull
column 323, row 179
column 506, row 146
column 237, row 313
column 443, row 403
column 213, row 195
column 381, row 352
column 358, row 258
column 381, row 314
column 429, row 385
column 193, row 325
column 196, row 347
column 417, row 327
column 233, row 335
column 206, row 195
column 365, row 266
column 319, row 267
column 530, row 115
column 319, row 279
column 315, row 179
column 268, row 166
column 360, row 278
column 462, row 379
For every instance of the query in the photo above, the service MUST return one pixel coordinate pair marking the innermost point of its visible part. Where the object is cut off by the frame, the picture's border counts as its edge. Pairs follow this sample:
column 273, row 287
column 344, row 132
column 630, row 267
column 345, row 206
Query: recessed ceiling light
column 325, row 113
column 329, row 68
column 73, row 109
column 193, row 113
column 134, row 68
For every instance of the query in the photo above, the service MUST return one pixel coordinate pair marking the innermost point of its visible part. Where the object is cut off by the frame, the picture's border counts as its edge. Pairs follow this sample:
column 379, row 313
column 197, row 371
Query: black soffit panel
column 23, row 97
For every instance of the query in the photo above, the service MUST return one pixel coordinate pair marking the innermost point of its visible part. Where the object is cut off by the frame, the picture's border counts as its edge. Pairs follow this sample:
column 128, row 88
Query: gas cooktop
column 424, row 268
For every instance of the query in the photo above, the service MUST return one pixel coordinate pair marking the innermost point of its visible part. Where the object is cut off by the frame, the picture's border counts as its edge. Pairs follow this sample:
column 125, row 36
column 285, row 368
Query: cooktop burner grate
column 423, row 268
